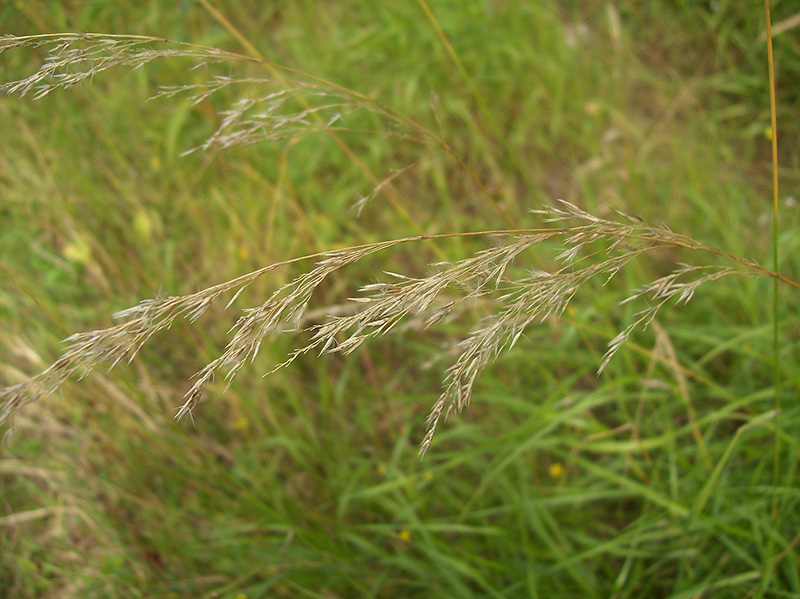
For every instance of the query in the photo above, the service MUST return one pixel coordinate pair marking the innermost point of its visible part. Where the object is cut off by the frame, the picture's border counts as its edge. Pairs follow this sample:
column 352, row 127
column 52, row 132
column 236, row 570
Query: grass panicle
column 75, row 57
column 517, row 302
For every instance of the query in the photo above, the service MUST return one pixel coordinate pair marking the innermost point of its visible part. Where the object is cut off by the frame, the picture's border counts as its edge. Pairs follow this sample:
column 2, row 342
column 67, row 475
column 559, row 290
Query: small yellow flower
column 404, row 535
column 556, row 470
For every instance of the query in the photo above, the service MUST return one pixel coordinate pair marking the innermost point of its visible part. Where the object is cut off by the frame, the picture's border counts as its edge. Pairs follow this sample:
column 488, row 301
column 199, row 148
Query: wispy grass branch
column 75, row 57
column 518, row 302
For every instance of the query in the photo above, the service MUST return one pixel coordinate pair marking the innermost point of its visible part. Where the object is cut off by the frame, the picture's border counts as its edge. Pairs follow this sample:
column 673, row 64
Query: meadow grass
column 655, row 478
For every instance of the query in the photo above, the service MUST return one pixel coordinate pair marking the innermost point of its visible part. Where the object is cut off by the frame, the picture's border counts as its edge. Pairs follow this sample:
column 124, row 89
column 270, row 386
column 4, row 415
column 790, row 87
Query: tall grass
column 675, row 477
column 515, row 302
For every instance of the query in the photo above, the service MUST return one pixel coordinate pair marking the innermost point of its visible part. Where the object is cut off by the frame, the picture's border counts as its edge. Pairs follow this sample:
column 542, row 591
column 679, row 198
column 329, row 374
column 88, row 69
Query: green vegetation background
column 656, row 479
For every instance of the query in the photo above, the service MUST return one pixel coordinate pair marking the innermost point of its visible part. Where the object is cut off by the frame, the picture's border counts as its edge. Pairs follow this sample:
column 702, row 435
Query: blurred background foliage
column 655, row 479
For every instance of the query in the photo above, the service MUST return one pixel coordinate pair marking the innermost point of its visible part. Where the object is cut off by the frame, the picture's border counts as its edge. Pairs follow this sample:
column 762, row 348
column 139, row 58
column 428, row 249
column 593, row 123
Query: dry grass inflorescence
column 518, row 295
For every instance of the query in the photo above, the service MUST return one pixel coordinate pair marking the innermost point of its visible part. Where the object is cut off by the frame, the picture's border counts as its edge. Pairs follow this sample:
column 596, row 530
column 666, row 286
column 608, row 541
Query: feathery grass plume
column 594, row 247
column 517, row 303
column 297, row 104
column 74, row 57
column 317, row 104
